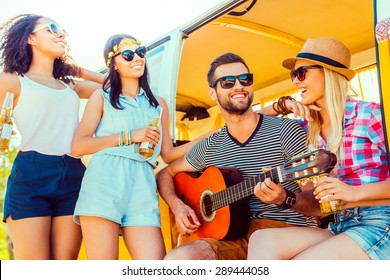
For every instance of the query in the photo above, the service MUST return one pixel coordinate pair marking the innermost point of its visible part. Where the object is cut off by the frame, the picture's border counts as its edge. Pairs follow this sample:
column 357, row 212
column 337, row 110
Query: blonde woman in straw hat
column 353, row 130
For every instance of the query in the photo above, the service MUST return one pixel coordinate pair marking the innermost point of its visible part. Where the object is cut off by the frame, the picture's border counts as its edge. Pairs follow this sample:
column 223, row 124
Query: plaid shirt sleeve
column 365, row 156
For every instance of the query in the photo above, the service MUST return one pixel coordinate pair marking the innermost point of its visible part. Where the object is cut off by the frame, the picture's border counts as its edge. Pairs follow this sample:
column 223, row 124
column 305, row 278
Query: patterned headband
column 116, row 49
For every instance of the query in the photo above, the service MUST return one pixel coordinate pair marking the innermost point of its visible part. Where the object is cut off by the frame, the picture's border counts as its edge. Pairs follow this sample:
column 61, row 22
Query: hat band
column 322, row 59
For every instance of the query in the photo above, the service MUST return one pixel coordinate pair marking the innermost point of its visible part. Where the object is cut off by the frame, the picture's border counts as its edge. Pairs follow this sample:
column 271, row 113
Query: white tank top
column 46, row 118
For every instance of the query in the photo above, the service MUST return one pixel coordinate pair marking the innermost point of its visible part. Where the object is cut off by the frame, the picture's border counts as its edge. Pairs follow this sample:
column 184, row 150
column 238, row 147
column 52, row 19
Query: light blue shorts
column 367, row 226
column 119, row 189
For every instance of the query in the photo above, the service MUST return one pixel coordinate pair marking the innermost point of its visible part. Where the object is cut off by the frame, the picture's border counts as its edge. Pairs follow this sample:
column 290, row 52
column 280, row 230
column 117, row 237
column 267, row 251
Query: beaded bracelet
column 280, row 106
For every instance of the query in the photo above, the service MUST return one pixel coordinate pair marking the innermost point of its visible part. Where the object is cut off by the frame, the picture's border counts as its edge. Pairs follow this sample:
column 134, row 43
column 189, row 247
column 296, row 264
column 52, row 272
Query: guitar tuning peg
column 302, row 182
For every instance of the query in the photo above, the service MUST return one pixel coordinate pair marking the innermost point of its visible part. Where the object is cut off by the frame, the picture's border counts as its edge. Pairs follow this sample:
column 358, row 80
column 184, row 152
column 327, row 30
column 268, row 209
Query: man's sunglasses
column 300, row 73
column 53, row 28
column 128, row 55
column 229, row 81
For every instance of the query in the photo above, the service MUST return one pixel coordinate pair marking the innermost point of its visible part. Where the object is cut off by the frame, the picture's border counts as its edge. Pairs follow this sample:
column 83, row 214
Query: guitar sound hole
column 208, row 205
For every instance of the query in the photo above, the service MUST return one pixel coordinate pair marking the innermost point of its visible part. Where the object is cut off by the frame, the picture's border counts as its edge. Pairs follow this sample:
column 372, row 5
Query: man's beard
column 233, row 109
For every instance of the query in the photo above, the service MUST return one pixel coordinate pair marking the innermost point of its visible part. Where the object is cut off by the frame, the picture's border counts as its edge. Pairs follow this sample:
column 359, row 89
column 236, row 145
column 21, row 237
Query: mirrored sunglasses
column 300, row 72
column 128, row 55
column 229, row 81
column 53, row 28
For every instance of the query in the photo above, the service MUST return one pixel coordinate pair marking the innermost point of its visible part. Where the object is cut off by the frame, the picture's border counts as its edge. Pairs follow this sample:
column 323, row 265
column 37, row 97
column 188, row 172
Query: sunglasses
column 300, row 73
column 229, row 81
column 53, row 28
column 128, row 55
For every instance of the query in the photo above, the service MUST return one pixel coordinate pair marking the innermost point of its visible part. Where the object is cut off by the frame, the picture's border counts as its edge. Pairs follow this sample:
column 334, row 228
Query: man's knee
column 197, row 250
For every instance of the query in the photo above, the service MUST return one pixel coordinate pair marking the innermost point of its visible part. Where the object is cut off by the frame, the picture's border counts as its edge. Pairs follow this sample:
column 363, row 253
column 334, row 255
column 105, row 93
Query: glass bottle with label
column 146, row 149
column 331, row 206
column 6, row 122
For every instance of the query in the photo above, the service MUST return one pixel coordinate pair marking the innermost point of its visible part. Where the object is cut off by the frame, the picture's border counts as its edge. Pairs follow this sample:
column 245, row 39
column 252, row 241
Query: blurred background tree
column 6, row 161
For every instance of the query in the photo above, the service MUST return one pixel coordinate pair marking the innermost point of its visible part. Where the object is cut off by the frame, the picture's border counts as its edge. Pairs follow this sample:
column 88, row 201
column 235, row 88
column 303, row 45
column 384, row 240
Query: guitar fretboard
column 242, row 189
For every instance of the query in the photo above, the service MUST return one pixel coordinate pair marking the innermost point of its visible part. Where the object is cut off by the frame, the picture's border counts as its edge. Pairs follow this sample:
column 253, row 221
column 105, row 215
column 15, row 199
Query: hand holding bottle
column 326, row 192
column 6, row 123
column 146, row 149
column 146, row 134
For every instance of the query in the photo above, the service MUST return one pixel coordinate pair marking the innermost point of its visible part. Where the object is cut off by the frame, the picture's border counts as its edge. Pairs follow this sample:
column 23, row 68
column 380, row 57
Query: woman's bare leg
column 30, row 237
column 284, row 243
column 339, row 247
column 144, row 243
column 101, row 238
column 65, row 238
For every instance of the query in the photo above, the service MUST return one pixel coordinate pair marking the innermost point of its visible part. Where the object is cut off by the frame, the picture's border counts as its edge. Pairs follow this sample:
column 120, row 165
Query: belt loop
column 356, row 211
column 63, row 160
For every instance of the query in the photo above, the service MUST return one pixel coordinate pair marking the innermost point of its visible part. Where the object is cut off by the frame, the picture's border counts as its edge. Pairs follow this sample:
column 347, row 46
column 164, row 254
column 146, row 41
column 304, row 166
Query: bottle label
column 145, row 145
column 6, row 132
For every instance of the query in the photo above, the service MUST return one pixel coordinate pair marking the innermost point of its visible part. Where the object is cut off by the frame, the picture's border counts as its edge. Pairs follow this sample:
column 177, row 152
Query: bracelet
column 129, row 137
column 291, row 198
column 280, row 106
column 125, row 138
column 120, row 142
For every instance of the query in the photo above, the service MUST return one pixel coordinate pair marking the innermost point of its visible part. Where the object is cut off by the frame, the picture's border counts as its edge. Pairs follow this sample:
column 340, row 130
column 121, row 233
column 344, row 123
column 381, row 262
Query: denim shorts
column 42, row 185
column 367, row 226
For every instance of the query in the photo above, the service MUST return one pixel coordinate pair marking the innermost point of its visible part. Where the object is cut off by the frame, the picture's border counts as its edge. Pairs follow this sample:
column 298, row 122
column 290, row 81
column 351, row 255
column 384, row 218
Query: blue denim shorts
column 367, row 226
column 42, row 185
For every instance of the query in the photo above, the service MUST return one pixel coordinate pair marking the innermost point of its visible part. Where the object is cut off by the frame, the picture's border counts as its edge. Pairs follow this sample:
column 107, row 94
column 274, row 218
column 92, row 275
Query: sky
column 90, row 23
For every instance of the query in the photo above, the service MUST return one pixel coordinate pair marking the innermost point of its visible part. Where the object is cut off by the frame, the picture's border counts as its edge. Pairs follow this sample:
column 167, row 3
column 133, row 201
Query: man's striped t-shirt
column 274, row 141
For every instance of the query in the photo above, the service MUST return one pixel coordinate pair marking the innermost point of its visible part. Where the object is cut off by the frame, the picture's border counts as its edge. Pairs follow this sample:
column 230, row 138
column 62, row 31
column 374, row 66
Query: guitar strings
column 227, row 196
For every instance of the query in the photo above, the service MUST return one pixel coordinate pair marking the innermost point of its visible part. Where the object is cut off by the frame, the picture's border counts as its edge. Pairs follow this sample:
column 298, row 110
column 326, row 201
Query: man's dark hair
column 225, row 58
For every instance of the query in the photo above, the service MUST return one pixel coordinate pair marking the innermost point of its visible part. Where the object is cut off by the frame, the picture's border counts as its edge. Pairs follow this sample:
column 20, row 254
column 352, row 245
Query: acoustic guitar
column 220, row 196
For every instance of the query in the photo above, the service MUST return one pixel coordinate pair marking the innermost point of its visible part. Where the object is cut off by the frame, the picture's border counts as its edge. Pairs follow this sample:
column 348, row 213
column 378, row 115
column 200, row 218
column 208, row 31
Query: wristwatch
column 291, row 198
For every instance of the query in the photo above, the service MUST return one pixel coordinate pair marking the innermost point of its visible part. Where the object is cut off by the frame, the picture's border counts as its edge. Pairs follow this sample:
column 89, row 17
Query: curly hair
column 16, row 53
column 112, row 82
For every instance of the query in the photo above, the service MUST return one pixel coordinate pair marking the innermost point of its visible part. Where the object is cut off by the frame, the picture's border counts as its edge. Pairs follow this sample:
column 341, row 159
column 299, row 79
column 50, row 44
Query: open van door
column 382, row 32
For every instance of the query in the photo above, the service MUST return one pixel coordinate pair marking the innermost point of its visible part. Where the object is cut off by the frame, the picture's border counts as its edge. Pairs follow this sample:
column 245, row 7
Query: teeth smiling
column 302, row 90
column 238, row 96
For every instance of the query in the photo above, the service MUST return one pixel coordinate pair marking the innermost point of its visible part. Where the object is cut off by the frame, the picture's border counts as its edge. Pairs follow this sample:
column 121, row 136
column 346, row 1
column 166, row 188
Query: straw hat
column 327, row 52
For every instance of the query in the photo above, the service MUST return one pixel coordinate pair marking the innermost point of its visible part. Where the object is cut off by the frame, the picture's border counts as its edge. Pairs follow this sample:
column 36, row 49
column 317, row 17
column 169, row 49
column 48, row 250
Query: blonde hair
column 337, row 89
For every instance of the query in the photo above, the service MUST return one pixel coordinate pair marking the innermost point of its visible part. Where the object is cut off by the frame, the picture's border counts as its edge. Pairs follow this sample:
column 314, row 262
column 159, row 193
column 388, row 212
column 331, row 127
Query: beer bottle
column 146, row 149
column 6, row 123
column 332, row 206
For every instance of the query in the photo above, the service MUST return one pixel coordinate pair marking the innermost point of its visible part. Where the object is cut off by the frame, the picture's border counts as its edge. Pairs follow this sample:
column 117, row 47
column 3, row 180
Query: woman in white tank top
column 45, row 179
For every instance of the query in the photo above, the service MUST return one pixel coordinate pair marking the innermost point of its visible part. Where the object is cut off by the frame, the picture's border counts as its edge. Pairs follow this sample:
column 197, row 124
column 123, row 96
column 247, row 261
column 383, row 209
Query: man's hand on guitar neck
column 185, row 217
column 272, row 193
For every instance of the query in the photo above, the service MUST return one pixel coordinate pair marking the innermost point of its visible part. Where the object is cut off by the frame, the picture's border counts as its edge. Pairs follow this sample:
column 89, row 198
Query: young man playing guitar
column 249, row 142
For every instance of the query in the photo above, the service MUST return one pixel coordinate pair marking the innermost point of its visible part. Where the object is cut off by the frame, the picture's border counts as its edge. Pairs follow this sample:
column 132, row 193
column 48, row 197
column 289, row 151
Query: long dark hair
column 16, row 53
column 113, row 81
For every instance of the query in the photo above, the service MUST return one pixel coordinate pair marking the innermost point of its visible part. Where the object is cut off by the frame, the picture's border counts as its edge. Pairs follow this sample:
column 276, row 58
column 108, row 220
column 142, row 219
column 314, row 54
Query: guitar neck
column 242, row 189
